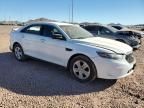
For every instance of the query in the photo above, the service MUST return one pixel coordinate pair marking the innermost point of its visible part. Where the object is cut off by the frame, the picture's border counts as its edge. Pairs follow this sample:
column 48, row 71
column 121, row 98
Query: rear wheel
column 83, row 69
column 18, row 52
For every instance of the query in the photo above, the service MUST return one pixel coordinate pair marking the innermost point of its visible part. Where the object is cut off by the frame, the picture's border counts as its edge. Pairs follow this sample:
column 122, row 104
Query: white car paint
column 53, row 50
column 107, row 43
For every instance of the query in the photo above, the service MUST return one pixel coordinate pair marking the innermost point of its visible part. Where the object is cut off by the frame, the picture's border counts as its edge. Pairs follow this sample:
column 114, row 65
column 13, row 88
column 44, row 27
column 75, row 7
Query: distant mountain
column 11, row 23
column 138, row 26
column 27, row 22
column 40, row 20
column 88, row 23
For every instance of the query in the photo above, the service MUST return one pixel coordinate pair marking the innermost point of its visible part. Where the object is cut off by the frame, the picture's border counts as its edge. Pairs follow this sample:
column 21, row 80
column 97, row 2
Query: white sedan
column 87, row 57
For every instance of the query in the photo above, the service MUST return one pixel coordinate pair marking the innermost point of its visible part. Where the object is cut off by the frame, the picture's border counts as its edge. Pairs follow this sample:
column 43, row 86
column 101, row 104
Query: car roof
column 100, row 25
column 94, row 25
column 52, row 23
column 85, row 25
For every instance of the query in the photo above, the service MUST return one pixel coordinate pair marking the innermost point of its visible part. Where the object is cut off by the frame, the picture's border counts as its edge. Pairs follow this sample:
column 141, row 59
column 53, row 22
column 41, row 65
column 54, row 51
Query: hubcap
column 81, row 69
column 18, row 53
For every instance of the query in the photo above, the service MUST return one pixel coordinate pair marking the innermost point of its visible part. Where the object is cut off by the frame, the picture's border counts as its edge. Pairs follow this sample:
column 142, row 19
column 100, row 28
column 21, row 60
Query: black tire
column 92, row 72
column 22, row 56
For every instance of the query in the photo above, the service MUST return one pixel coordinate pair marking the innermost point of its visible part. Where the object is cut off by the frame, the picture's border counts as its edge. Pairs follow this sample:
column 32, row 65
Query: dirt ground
column 37, row 84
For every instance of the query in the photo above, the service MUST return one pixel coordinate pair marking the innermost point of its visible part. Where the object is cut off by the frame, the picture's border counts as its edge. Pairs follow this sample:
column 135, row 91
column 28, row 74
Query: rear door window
column 34, row 29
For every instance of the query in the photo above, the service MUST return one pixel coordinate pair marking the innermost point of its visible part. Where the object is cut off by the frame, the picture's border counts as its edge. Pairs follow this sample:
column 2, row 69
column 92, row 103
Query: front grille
column 135, row 43
column 130, row 58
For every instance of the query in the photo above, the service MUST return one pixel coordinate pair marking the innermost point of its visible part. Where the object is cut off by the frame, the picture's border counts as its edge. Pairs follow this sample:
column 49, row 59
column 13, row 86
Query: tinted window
column 117, row 27
column 50, row 31
column 47, row 31
column 92, row 29
column 34, row 29
column 105, row 31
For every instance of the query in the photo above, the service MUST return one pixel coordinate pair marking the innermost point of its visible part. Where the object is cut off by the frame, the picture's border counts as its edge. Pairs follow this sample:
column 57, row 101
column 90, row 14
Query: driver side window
column 53, row 32
column 105, row 31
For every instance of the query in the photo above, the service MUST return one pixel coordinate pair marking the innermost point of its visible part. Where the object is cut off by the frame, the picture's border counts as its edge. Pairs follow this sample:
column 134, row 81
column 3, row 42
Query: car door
column 31, row 38
column 53, row 45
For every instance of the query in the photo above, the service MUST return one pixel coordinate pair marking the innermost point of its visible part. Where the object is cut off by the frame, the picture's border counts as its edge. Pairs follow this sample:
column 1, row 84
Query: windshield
column 76, row 32
column 112, row 29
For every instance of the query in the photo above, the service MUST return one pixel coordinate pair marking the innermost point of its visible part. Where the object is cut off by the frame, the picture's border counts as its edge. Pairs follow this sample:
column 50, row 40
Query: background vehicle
column 87, row 57
column 137, row 33
column 111, row 33
column 142, row 29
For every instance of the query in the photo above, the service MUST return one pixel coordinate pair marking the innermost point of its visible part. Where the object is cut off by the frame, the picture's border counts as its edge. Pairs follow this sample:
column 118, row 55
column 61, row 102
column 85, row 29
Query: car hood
column 109, row 44
column 137, row 31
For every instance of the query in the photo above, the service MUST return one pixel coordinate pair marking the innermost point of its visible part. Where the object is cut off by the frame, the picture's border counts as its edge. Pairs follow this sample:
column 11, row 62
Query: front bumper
column 10, row 48
column 136, row 44
column 136, row 47
column 112, row 69
column 142, row 36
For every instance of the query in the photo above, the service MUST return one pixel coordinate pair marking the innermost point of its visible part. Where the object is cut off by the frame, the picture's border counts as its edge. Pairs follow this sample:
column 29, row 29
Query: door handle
column 68, row 49
column 22, row 36
column 42, row 40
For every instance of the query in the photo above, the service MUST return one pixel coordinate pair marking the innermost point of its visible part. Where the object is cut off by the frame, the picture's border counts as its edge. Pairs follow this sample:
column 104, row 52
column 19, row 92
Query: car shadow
column 38, row 78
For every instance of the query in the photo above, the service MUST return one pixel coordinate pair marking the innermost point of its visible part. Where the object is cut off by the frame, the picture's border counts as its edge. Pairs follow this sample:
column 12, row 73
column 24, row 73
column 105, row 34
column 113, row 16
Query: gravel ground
column 37, row 84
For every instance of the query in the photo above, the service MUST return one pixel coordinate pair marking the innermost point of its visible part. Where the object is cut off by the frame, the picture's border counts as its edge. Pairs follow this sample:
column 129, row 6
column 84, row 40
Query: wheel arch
column 75, row 55
column 15, row 43
column 94, row 66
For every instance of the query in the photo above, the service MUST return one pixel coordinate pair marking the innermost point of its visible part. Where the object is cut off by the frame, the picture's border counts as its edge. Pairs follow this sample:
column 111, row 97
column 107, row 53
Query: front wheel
column 18, row 52
column 83, row 69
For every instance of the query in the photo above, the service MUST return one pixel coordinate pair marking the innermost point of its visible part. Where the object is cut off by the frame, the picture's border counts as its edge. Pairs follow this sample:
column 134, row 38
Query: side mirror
column 58, row 36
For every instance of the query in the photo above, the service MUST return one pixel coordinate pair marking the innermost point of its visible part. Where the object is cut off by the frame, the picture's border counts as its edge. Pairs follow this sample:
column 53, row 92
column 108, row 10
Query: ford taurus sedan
column 87, row 57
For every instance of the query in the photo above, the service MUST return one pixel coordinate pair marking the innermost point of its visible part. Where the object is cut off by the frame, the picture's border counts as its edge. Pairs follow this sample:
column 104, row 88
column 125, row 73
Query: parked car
column 111, row 33
column 137, row 33
column 87, row 57
column 142, row 30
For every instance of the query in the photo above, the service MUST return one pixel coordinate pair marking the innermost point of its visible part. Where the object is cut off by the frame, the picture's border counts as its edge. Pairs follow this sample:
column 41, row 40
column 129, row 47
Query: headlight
column 110, row 55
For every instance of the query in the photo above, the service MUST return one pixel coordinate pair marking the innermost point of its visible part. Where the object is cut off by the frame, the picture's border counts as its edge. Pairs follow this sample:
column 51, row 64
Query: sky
column 102, row 11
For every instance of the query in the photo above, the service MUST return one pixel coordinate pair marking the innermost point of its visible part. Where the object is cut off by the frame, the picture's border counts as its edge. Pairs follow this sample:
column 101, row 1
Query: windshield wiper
column 84, row 37
column 81, row 38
